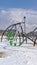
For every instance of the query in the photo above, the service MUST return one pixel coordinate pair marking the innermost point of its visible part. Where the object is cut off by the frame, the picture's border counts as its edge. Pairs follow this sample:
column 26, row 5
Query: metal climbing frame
column 20, row 31
column 17, row 29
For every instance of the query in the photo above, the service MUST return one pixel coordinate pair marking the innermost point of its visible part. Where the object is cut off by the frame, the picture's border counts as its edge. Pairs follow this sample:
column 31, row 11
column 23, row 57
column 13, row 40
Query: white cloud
column 11, row 16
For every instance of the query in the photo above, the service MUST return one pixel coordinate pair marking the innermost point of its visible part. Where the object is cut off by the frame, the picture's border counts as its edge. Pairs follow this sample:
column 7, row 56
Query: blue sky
column 26, row 4
column 14, row 10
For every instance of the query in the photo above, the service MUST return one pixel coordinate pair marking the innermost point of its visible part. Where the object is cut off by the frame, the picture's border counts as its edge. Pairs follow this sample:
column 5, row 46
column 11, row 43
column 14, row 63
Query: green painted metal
column 10, row 36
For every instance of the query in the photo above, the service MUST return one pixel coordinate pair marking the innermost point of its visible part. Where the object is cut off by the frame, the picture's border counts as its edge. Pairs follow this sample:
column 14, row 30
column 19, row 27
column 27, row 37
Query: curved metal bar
column 7, row 29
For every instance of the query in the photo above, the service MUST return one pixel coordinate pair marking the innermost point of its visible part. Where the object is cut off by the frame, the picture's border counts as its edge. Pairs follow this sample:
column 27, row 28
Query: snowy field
column 23, row 55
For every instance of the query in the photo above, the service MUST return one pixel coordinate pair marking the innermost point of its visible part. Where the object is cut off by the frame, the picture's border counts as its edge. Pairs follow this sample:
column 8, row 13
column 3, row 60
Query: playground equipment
column 18, row 30
column 15, row 31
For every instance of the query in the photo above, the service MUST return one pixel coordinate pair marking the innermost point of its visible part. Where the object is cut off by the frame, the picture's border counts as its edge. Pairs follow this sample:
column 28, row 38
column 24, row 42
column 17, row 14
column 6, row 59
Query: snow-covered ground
column 23, row 55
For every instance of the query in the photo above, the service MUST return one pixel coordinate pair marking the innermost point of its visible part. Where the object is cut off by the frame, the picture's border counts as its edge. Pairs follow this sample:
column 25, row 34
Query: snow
column 19, row 55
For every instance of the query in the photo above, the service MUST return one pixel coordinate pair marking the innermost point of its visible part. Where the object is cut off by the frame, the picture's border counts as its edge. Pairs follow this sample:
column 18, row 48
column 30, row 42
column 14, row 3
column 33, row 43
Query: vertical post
column 24, row 25
column 34, row 42
column 26, row 40
column 16, row 31
column 25, row 28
